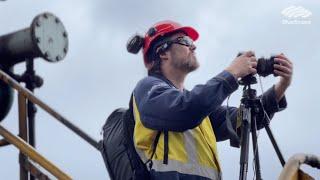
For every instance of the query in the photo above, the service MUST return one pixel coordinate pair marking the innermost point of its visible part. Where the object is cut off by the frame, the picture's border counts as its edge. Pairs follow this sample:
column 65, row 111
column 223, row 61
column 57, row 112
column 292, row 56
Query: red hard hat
column 162, row 28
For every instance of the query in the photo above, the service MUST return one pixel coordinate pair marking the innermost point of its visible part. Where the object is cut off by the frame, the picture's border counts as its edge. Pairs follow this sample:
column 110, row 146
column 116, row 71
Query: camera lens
column 265, row 66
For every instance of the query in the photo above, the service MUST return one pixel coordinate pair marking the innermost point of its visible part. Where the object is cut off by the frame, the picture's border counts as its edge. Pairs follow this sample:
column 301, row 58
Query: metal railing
column 21, row 141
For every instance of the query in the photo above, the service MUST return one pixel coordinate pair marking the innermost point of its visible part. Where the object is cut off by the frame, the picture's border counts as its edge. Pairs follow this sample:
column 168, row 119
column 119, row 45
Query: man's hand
column 284, row 69
column 243, row 65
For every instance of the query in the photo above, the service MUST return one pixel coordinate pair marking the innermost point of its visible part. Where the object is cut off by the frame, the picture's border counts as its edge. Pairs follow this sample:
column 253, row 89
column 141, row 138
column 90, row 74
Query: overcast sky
column 98, row 74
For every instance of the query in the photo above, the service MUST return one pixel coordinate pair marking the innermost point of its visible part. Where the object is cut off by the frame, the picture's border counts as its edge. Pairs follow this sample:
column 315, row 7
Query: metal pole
column 35, row 171
column 23, row 133
column 30, row 73
column 30, row 84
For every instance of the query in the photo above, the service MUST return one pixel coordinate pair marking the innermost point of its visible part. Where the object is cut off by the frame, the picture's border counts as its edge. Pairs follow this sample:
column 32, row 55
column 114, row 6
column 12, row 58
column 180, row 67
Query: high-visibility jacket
column 190, row 121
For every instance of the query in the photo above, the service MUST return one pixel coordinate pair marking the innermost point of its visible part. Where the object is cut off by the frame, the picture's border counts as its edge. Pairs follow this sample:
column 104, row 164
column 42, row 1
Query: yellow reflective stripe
column 203, row 149
column 186, row 168
column 159, row 151
column 142, row 136
column 210, row 139
column 177, row 149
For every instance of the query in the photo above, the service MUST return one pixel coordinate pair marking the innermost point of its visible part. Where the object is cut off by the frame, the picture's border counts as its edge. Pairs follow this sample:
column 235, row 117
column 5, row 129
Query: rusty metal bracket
column 36, row 172
column 3, row 142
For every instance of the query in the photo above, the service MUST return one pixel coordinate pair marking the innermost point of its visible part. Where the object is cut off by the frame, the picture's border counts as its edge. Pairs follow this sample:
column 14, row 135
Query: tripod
column 250, row 108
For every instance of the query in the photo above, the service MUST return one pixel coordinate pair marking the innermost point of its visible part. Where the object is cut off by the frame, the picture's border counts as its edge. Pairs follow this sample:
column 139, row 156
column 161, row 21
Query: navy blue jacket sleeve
column 218, row 117
column 163, row 107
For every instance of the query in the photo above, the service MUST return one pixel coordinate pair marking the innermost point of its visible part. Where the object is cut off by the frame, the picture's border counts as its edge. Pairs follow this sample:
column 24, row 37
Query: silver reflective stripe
column 190, row 147
column 186, row 168
column 141, row 154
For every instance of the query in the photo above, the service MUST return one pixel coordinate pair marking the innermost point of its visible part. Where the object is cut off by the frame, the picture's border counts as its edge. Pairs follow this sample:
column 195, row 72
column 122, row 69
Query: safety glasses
column 185, row 41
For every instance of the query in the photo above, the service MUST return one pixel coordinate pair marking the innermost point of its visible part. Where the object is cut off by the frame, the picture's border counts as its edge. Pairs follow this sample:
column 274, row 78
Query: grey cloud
column 98, row 74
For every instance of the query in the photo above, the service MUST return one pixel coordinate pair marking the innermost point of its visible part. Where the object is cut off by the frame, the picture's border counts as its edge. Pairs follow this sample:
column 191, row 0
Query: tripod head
column 249, row 96
column 248, row 80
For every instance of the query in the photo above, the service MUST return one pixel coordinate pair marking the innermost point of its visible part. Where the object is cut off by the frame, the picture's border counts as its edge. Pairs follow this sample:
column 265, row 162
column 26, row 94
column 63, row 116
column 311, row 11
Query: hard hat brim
column 191, row 32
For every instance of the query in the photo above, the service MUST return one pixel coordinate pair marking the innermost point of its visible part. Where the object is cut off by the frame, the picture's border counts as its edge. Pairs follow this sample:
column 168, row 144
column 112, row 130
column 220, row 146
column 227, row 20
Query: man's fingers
column 282, row 69
column 249, row 53
column 283, row 62
column 254, row 64
column 253, row 59
column 282, row 56
column 253, row 71
column 282, row 74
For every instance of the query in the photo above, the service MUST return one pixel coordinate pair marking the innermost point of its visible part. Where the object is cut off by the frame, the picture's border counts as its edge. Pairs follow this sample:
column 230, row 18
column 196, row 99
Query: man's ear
column 164, row 55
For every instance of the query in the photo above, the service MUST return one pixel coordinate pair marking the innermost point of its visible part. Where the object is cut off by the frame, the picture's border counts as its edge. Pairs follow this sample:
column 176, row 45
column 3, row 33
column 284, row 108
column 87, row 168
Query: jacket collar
column 162, row 77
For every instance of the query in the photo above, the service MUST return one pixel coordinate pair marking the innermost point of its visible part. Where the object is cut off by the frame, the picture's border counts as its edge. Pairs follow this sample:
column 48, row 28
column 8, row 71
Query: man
column 180, row 126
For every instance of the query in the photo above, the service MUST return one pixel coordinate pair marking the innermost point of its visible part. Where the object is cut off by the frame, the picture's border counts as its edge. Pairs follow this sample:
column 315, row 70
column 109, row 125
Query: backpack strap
column 166, row 147
column 154, row 147
column 131, row 104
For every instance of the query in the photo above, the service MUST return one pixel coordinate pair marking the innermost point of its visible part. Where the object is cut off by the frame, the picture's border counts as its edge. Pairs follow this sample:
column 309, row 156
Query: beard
column 186, row 64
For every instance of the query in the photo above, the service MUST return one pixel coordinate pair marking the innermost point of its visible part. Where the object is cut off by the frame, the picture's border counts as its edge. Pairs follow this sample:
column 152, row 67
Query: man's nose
column 193, row 47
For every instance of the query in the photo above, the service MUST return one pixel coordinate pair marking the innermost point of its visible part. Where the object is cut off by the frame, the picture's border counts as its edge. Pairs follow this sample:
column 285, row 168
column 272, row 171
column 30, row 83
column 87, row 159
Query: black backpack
column 117, row 147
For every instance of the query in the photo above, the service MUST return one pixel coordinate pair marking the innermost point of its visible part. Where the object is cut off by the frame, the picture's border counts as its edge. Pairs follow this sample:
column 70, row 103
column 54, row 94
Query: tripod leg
column 245, row 132
column 275, row 145
column 255, row 148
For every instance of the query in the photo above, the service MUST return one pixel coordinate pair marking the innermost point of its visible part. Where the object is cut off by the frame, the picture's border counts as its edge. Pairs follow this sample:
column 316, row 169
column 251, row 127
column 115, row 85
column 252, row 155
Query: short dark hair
column 156, row 68
column 153, row 55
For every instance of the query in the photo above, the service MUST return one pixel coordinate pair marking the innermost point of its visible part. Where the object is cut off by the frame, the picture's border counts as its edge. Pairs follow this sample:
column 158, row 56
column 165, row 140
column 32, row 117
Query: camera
column 264, row 65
